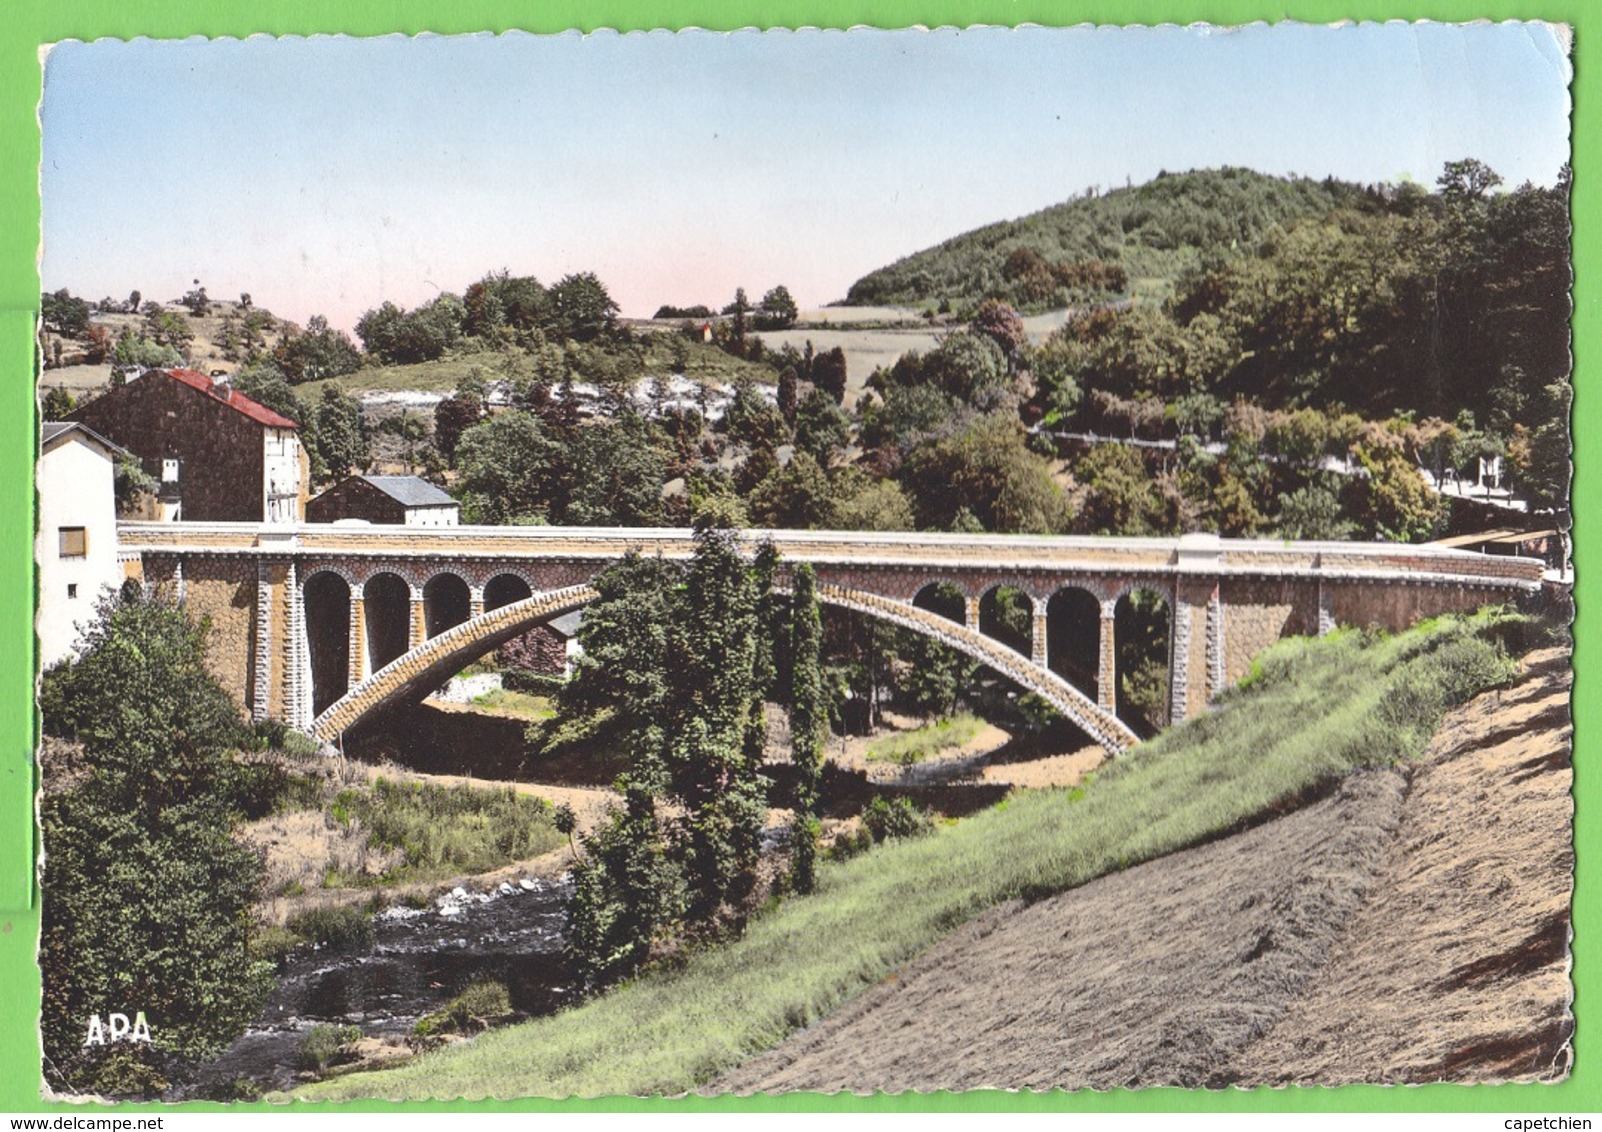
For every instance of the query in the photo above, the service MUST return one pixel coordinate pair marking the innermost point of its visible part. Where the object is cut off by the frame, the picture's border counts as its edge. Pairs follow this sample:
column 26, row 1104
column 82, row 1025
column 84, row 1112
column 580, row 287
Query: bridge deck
column 1157, row 556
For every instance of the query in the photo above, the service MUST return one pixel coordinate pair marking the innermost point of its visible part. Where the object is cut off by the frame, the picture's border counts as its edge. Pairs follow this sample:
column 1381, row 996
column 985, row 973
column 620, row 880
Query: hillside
column 1152, row 231
column 1376, row 935
column 1314, row 713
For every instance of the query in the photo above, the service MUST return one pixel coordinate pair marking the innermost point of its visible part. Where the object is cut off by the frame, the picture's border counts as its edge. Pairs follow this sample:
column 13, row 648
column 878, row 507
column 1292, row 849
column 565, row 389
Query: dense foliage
column 1095, row 244
column 148, row 894
column 672, row 658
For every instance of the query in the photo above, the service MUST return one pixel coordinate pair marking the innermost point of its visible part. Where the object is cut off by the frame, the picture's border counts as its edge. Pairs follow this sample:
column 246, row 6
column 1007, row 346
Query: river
column 420, row 960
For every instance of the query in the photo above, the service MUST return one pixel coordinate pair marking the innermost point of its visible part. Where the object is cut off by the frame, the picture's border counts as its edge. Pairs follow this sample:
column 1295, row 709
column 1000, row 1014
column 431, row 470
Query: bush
column 324, row 1045
column 275, row 943
column 345, row 928
column 885, row 818
column 471, row 1010
column 445, row 830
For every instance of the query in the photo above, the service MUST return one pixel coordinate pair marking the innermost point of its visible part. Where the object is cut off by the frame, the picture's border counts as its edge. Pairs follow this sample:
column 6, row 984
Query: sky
column 327, row 174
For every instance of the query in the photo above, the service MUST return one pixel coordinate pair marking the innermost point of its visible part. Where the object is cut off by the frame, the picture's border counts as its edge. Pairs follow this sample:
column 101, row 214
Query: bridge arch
column 387, row 618
column 1143, row 618
column 1073, row 637
column 1006, row 614
column 944, row 598
column 436, row 659
column 447, row 602
column 506, row 587
column 326, row 606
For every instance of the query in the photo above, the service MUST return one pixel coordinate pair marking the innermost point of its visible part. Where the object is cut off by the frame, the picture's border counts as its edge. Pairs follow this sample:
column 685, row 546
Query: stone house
column 218, row 455
column 404, row 500
column 76, row 542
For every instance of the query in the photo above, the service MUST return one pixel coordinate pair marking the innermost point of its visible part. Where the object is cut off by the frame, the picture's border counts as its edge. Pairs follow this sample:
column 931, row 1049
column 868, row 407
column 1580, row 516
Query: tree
column 338, row 432
column 821, row 427
column 807, row 721
column 777, row 310
column 1121, row 496
column 828, row 373
column 509, row 465
column 739, row 308
column 1467, row 180
column 671, row 653
column 147, row 893
column 452, row 417
column 1001, row 324
column 614, row 475
column 318, row 353
column 987, row 471
column 580, row 307
column 56, row 404
column 795, row 496
column 64, row 313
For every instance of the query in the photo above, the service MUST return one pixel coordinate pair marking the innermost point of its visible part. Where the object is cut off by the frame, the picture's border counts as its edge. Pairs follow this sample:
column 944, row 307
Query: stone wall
column 1396, row 607
column 219, row 449
column 355, row 498
column 1259, row 612
column 224, row 590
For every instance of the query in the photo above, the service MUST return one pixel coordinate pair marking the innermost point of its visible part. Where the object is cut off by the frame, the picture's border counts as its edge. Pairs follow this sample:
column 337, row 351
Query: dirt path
column 1397, row 930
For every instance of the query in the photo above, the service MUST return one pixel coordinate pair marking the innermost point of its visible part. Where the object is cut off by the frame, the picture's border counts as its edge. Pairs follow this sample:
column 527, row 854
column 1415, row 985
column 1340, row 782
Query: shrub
column 345, row 928
column 275, row 943
column 469, row 1011
column 324, row 1045
column 885, row 818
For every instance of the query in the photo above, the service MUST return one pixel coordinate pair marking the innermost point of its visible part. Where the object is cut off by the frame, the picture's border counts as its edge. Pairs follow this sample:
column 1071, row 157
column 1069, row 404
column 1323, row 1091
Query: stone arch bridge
column 326, row 626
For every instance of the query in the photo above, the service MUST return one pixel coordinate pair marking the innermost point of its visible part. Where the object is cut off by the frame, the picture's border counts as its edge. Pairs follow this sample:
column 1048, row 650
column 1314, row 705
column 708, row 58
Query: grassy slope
column 1154, row 230
column 1314, row 711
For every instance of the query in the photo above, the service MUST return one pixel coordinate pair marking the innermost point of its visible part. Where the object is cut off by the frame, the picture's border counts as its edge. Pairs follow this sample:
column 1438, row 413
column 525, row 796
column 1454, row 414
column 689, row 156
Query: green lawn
column 911, row 747
column 500, row 701
column 1311, row 712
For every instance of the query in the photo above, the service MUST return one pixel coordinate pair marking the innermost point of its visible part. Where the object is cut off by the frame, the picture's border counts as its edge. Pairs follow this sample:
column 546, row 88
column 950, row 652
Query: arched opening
column 504, row 589
column 945, row 599
column 387, row 600
column 447, row 602
column 1140, row 635
column 327, row 610
column 1006, row 614
column 1073, row 638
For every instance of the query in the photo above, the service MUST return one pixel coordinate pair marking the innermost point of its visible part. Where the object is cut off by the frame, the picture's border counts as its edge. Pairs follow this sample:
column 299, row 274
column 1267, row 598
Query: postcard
column 668, row 563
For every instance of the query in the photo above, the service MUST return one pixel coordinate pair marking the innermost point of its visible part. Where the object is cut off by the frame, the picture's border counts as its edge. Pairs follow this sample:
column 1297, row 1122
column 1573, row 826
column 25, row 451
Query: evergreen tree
column 806, row 724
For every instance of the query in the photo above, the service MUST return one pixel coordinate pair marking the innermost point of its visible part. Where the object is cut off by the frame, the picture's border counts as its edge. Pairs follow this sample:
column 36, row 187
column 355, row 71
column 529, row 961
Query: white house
column 76, row 543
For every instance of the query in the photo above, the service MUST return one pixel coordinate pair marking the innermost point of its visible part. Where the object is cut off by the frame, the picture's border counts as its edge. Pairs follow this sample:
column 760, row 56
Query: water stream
column 421, row 959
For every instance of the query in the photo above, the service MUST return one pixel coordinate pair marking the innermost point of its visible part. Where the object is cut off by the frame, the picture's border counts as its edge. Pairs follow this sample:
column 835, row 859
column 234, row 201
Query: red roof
column 231, row 397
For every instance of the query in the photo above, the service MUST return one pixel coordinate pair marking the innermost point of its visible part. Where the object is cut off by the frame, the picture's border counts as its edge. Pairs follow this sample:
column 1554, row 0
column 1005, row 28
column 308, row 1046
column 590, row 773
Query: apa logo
column 117, row 1029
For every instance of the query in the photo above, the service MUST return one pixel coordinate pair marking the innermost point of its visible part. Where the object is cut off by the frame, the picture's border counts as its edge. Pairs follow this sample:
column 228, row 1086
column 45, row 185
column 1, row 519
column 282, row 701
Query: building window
column 72, row 591
column 74, row 542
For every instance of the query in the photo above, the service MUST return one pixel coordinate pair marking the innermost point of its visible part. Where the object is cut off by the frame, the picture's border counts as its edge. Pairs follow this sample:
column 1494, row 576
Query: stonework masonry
column 1227, row 600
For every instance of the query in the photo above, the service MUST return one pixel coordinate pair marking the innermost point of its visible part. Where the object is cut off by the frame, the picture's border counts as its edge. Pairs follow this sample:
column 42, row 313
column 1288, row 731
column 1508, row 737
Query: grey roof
column 411, row 491
column 49, row 430
column 568, row 623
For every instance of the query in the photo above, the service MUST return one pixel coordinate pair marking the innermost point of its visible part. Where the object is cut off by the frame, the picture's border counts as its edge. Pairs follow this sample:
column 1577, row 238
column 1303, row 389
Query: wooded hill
column 1148, row 233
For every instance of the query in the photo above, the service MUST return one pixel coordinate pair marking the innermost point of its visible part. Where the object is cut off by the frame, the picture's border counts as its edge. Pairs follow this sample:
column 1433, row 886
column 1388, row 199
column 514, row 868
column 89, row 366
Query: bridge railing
column 1202, row 554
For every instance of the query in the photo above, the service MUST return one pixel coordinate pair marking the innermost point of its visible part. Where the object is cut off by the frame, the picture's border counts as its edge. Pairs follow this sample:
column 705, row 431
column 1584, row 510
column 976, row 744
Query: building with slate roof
column 404, row 500
column 218, row 455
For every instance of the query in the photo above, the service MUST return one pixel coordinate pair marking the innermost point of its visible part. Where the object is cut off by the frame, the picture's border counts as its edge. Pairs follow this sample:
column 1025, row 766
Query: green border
column 29, row 23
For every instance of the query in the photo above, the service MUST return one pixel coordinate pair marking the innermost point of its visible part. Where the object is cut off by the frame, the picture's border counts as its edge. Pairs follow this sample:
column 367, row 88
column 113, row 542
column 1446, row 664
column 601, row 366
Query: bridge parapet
column 1227, row 598
column 1021, row 553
